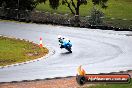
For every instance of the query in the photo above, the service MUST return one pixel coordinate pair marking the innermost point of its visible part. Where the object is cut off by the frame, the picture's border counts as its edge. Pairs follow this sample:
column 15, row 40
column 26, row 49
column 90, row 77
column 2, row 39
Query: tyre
column 80, row 80
column 69, row 49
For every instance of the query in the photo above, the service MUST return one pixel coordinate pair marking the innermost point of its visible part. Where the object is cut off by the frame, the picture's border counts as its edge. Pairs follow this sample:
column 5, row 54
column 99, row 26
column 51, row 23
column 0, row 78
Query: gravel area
column 54, row 83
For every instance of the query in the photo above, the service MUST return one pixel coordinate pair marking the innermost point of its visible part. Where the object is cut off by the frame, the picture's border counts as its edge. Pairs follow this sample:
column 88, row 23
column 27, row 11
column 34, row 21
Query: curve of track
column 96, row 50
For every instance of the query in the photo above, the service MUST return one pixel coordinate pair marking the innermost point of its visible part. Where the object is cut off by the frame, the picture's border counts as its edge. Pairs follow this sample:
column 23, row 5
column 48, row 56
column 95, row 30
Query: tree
column 96, row 17
column 74, row 5
column 17, row 9
column 1, row 1
column 53, row 3
column 19, row 4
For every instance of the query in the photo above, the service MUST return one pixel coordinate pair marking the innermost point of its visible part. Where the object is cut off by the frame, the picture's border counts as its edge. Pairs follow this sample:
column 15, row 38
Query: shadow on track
column 65, row 53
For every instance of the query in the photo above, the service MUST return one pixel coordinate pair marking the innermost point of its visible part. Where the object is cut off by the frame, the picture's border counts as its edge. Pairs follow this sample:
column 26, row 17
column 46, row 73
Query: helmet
column 59, row 36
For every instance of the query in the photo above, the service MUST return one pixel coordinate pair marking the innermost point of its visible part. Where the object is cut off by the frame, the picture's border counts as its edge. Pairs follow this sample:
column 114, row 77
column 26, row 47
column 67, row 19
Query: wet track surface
column 96, row 50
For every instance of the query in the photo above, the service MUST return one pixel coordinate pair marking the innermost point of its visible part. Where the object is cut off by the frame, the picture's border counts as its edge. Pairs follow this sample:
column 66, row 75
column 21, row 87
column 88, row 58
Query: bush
column 96, row 17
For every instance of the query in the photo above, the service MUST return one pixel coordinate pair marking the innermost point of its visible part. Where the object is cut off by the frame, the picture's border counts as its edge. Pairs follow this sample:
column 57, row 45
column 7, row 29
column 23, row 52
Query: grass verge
column 15, row 51
column 112, row 85
column 119, row 9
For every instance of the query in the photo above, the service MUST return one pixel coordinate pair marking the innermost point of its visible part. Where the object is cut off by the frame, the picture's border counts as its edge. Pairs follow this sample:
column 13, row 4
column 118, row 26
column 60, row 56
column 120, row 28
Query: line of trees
column 73, row 5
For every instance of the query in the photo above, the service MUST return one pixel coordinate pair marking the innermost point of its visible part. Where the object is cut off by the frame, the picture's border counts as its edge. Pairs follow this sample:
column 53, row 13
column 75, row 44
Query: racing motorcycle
column 65, row 44
column 67, row 47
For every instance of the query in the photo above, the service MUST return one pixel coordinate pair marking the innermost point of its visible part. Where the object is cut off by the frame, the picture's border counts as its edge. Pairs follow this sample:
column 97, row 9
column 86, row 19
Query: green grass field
column 14, row 51
column 119, row 9
column 112, row 85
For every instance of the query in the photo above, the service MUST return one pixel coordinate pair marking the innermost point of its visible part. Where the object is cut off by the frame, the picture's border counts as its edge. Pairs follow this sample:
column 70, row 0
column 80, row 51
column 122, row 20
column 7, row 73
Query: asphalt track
column 96, row 50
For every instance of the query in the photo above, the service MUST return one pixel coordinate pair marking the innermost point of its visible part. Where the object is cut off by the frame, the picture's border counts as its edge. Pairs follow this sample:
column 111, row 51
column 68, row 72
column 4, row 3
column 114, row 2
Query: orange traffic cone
column 41, row 43
column 81, row 71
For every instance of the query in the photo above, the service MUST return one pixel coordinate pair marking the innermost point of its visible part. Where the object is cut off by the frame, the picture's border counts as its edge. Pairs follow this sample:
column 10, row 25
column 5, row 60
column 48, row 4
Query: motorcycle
column 66, row 44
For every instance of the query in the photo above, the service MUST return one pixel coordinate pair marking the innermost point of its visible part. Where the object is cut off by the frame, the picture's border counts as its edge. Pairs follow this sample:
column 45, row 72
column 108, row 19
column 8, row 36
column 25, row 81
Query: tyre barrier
column 81, row 80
